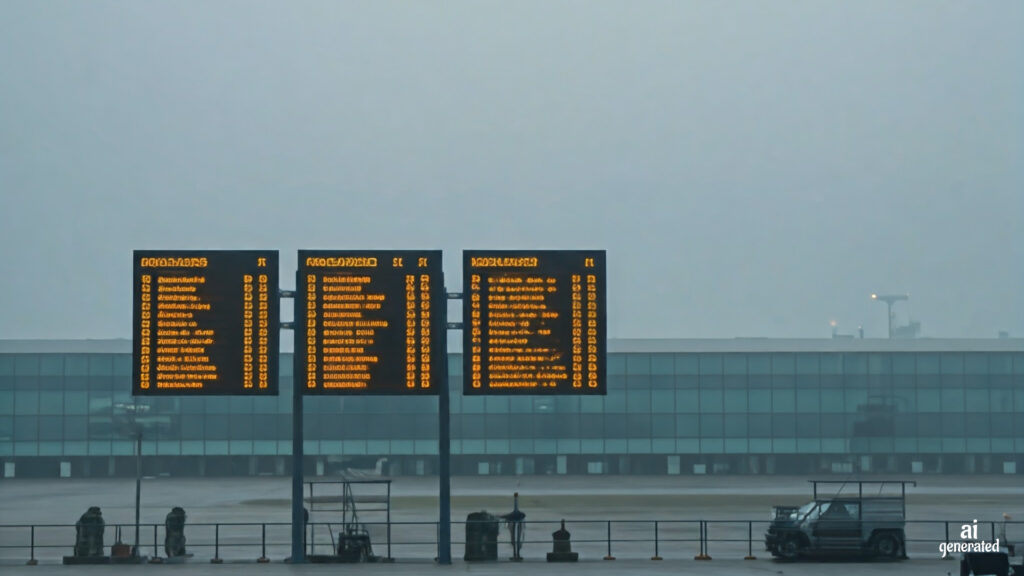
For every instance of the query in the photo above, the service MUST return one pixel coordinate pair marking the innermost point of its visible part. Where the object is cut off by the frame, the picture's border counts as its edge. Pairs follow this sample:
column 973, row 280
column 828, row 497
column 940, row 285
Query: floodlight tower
column 889, row 300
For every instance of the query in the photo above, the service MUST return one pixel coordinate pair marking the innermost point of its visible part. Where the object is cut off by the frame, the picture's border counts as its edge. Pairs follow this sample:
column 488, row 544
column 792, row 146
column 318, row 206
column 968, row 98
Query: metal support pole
column 750, row 541
column 263, row 546
column 32, row 546
column 609, row 556
column 703, row 555
column 444, row 537
column 298, row 517
column 948, row 556
column 216, row 545
column 389, row 520
column 656, row 555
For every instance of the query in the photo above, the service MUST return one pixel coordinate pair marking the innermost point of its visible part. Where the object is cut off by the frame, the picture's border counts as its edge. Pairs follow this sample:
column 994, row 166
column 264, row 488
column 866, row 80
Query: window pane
column 952, row 400
column 783, row 365
column 687, row 401
column 710, row 426
column 638, row 426
column 735, row 400
column 687, row 426
column 663, row 401
column 831, row 400
column 662, row 426
column 735, row 364
column 639, row 401
column 808, row 400
column 638, row 364
column 760, row 400
column 710, row 401
column 928, row 400
column 51, row 428
column 123, row 365
column 735, row 426
column 783, row 426
column 687, row 364
column 26, row 365
column 807, row 426
column 663, row 364
column 759, row 425
column 51, row 402
column 26, row 402
column 101, row 365
column 26, row 428
column 710, row 364
column 616, row 364
column 51, row 365
column 784, row 400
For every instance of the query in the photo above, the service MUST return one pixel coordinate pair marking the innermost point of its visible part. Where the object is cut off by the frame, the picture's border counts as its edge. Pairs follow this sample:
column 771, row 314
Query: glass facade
column 799, row 412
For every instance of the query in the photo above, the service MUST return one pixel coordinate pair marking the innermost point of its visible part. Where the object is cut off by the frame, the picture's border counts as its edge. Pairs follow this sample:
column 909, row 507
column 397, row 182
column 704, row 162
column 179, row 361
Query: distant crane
column 889, row 300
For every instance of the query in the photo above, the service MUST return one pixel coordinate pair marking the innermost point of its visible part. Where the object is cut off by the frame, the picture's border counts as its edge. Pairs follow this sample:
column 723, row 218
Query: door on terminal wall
column 524, row 465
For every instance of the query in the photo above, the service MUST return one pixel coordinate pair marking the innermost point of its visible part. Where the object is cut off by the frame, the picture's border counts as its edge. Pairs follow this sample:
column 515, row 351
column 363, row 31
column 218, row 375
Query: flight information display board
column 369, row 322
column 205, row 322
column 534, row 322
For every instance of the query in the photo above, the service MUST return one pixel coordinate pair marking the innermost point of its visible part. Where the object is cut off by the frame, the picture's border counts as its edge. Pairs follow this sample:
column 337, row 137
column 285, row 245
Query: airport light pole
column 889, row 300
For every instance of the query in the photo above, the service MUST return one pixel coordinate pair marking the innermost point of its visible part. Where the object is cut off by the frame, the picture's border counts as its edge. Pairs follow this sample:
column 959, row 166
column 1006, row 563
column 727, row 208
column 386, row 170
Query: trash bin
column 174, row 532
column 481, row 537
column 89, row 534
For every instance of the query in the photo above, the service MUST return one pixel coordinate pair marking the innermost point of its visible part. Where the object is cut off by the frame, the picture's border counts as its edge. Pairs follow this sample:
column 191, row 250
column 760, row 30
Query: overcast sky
column 752, row 168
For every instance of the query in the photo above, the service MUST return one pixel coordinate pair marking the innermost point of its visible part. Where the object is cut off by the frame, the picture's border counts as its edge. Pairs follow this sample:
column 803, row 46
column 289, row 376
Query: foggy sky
column 752, row 168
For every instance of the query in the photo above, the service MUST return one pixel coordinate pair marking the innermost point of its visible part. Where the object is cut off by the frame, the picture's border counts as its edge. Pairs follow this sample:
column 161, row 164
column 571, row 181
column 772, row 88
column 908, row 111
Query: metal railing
column 608, row 539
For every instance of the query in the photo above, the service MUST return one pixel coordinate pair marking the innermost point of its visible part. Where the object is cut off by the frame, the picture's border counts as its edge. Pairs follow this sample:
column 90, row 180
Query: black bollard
column 561, row 547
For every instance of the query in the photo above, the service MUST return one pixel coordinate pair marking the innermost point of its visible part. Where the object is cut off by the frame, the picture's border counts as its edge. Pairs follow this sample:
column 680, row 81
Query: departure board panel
column 534, row 322
column 205, row 322
column 369, row 322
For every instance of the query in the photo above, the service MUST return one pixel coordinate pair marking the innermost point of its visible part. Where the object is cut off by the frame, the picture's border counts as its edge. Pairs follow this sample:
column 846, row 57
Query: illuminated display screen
column 369, row 322
column 534, row 322
column 205, row 322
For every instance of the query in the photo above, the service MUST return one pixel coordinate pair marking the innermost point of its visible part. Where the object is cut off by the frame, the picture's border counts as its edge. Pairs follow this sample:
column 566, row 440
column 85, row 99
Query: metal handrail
column 682, row 537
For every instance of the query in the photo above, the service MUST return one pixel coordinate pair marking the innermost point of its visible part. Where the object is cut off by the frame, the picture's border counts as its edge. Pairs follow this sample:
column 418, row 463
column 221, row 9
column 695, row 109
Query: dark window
column 264, row 426
column 735, row 426
column 833, row 426
column 953, row 425
column 807, row 426
column 638, row 426
column 496, row 425
column 663, row 426
column 687, row 426
column 929, row 425
column 51, row 428
column 710, row 426
column 192, row 427
column 783, row 425
column 26, row 428
column 216, row 427
column 614, row 426
column 760, row 425
column 591, row 426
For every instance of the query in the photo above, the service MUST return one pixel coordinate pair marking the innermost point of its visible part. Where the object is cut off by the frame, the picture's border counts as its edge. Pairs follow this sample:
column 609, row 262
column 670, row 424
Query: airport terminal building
column 743, row 406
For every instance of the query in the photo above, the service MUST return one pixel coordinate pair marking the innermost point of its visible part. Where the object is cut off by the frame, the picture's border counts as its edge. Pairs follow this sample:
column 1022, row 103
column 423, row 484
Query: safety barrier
column 593, row 539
